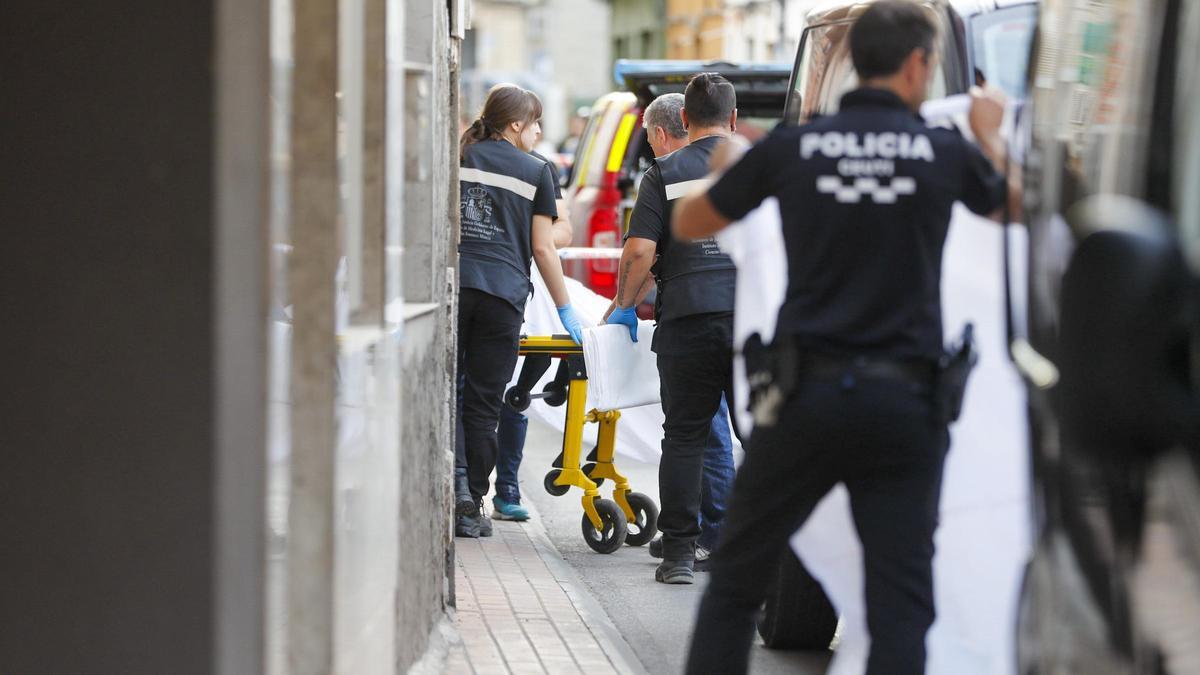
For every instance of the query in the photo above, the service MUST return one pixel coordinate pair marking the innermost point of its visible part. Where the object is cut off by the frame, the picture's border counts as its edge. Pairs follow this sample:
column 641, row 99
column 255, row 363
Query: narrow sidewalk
column 522, row 609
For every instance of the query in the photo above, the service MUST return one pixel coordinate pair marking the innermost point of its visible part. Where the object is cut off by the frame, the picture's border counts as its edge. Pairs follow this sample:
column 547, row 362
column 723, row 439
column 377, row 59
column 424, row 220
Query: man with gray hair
column 664, row 124
column 694, row 309
column 663, row 121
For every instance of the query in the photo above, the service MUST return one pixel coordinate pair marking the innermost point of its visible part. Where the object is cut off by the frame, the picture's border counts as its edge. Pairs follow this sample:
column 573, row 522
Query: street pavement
column 655, row 619
column 520, row 610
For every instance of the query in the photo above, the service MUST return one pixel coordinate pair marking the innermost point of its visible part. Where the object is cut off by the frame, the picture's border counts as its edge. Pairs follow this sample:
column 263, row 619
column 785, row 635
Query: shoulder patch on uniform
column 514, row 185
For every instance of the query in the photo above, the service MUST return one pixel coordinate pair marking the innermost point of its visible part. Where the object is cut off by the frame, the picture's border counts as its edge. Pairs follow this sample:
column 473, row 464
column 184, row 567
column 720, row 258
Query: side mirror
column 1123, row 345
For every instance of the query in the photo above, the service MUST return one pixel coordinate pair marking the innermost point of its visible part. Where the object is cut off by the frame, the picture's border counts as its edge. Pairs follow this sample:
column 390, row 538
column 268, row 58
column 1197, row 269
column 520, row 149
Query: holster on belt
column 771, row 371
column 954, row 368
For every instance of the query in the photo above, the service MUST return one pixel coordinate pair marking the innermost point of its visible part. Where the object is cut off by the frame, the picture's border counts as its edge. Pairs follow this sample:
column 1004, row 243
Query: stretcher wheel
column 554, row 394
column 518, row 400
column 645, row 524
column 613, row 535
column 587, row 471
column 548, row 483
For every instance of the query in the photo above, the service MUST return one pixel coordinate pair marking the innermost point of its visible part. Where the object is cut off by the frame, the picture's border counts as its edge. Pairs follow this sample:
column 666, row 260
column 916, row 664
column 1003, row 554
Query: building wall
column 108, row 468
column 430, row 262
column 735, row 30
column 234, row 304
column 558, row 48
column 639, row 29
column 361, row 428
column 752, row 31
column 581, row 51
column 695, row 29
column 502, row 40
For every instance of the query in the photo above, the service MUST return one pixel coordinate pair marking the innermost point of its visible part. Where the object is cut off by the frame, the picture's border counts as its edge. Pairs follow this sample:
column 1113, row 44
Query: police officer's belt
column 774, row 371
column 830, row 366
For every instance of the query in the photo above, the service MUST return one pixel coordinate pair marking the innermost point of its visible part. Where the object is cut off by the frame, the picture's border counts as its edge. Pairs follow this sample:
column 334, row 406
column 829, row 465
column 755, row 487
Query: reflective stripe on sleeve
column 514, row 185
column 676, row 190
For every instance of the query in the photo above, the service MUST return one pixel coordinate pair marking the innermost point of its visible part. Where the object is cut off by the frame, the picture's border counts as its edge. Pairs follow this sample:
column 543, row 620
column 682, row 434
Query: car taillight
column 604, row 232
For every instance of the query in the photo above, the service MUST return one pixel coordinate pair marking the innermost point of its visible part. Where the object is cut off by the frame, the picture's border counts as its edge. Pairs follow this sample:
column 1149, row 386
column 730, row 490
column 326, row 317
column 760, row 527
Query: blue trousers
column 715, row 482
column 511, row 435
column 717, row 479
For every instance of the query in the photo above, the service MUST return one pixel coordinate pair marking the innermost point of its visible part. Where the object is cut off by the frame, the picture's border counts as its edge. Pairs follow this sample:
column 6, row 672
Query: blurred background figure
column 575, row 129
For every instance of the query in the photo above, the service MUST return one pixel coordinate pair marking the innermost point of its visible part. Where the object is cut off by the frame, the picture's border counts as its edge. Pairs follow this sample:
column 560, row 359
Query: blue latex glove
column 626, row 317
column 566, row 314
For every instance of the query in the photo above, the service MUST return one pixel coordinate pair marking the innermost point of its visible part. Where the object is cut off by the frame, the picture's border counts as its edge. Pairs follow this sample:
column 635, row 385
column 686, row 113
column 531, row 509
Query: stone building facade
column 742, row 31
column 236, row 296
column 696, row 29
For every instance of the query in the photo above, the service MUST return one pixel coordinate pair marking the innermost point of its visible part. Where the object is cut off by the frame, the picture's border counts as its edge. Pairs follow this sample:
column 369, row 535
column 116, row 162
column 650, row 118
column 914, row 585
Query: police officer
column 507, row 209
column 694, row 337
column 865, row 197
column 663, row 121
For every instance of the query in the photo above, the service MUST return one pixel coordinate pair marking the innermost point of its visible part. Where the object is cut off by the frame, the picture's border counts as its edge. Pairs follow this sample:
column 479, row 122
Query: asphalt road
column 655, row 619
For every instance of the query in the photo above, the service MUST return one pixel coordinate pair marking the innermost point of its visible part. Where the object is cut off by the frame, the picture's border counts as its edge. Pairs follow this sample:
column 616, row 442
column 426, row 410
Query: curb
column 623, row 658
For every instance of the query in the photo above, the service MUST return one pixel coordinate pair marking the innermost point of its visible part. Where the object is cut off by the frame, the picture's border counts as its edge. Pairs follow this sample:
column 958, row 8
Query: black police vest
column 693, row 277
column 499, row 183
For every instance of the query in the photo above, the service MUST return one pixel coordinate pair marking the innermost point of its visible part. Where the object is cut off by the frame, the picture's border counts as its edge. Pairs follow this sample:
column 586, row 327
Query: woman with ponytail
column 507, row 209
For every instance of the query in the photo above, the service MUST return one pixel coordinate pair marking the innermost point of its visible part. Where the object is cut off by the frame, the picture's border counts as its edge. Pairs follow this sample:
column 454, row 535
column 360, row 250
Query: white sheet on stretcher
column 639, row 434
column 983, row 538
column 622, row 374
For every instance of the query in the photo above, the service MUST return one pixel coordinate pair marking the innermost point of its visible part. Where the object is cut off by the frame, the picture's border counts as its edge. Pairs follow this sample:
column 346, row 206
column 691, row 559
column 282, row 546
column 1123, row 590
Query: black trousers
column 489, row 330
column 695, row 367
column 879, row 437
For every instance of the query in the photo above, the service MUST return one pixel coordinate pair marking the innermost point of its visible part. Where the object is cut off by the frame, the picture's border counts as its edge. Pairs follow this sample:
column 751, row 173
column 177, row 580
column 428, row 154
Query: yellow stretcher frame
column 571, row 475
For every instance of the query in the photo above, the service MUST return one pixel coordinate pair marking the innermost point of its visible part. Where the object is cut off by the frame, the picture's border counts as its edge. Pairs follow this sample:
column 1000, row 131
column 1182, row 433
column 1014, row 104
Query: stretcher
column 630, row 517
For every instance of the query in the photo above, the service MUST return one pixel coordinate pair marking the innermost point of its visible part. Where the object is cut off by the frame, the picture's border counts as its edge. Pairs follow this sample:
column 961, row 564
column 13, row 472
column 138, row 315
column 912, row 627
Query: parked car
column 1113, row 209
column 980, row 40
column 612, row 153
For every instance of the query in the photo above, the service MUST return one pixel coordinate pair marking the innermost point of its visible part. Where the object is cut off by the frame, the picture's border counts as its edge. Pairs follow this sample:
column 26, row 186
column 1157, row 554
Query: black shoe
column 484, row 524
column 466, row 520
column 675, row 572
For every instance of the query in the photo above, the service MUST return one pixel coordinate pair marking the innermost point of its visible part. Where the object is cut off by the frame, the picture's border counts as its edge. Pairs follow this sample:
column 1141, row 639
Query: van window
column 1000, row 47
column 824, row 71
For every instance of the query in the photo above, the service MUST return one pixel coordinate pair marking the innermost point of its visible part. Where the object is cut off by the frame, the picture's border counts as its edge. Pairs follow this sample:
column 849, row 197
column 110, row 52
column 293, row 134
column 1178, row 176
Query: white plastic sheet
column 622, row 374
column 983, row 537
